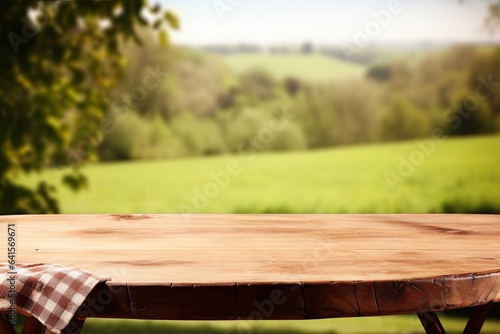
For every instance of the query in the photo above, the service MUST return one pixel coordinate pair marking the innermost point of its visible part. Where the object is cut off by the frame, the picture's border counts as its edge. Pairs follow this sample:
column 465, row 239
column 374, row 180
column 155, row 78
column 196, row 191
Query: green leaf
column 172, row 19
column 75, row 181
column 163, row 38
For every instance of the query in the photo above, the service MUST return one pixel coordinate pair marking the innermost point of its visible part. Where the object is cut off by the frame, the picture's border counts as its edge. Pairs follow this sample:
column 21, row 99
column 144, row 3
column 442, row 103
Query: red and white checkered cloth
column 50, row 293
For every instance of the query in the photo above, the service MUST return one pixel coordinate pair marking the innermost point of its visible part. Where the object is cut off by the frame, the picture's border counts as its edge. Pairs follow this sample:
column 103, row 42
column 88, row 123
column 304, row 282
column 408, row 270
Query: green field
column 460, row 175
column 313, row 67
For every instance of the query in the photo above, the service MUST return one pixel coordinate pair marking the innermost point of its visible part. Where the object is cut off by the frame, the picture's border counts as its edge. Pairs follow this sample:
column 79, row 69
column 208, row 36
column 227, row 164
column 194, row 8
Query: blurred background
column 251, row 106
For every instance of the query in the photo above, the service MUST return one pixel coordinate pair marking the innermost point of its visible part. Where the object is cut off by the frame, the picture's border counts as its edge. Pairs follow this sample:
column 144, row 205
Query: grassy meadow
column 457, row 175
column 310, row 67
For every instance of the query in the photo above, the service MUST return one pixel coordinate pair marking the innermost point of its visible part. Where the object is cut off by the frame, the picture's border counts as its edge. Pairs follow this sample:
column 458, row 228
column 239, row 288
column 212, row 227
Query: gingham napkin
column 50, row 293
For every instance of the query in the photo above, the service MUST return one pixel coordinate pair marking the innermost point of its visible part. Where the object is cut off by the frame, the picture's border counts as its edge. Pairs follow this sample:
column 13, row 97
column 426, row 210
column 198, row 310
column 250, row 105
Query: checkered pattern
column 50, row 293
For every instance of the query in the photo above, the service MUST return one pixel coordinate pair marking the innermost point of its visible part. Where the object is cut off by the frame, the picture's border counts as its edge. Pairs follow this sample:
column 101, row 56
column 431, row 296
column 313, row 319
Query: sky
column 269, row 22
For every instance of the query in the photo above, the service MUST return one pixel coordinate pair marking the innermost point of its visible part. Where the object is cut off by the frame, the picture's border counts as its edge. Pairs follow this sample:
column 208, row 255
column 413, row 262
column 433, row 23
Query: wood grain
column 273, row 266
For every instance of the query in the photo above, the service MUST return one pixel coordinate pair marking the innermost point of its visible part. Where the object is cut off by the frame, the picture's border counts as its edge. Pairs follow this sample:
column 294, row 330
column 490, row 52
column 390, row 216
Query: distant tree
column 197, row 81
column 58, row 61
column 486, row 67
column 258, row 84
column 337, row 113
column 401, row 76
column 307, row 48
column 380, row 73
column 403, row 121
column 471, row 116
column 314, row 107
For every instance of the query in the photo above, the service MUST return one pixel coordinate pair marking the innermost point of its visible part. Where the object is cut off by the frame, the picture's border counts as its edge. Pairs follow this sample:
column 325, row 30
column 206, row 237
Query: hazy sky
column 326, row 22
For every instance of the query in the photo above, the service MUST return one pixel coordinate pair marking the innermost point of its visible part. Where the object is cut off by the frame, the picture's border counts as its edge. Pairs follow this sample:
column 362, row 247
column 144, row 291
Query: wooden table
column 199, row 267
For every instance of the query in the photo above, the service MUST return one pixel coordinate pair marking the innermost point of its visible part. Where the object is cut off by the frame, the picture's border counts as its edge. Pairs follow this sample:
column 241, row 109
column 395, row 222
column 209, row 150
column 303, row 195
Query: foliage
column 338, row 113
column 468, row 119
column 258, row 84
column 58, row 62
column 241, row 127
column 135, row 137
column 404, row 121
column 194, row 82
column 211, row 110
column 201, row 135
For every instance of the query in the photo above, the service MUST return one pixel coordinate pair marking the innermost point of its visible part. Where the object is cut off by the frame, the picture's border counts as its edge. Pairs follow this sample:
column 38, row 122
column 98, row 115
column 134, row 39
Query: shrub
column 135, row 137
column 403, row 121
column 201, row 135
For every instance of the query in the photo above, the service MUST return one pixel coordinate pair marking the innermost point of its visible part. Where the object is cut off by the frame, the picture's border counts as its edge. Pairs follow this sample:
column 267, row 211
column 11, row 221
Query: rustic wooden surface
column 271, row 266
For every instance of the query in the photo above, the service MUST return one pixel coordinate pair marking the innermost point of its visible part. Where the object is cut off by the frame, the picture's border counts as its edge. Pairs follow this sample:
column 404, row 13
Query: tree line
column 203, row 108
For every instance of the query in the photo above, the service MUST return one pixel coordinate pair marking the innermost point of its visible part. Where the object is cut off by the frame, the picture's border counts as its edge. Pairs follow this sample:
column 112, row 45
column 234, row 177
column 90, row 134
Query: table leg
column 431, row 323
column 477, row 318
column 32, row 326
column 5, row 326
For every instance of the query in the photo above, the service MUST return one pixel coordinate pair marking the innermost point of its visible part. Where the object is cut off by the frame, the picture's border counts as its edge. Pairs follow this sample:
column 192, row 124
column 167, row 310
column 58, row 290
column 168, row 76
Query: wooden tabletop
column 273, row 266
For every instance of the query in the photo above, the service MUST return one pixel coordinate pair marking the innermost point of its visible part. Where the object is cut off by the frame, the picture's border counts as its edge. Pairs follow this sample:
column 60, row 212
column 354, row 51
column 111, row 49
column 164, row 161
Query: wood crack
column 376, row 299
column 129, row 300
column 357, row 298
column 303, row 299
